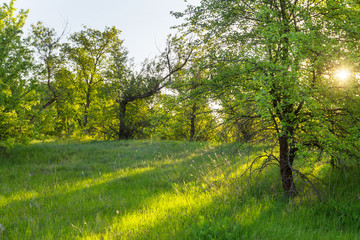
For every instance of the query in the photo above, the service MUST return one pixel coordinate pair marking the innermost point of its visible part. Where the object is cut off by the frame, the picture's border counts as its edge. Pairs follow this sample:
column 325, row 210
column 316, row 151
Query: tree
column 196, row 117
column 282, row 54
column 16, row 95
column 89, row 50
column 129, row 86
column 47, row 45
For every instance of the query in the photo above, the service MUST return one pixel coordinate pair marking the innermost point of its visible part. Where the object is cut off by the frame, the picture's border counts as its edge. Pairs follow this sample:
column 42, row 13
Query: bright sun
column 343, row 74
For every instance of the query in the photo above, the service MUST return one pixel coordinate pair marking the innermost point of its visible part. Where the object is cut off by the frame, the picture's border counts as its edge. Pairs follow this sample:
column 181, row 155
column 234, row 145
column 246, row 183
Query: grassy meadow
column 165, row 190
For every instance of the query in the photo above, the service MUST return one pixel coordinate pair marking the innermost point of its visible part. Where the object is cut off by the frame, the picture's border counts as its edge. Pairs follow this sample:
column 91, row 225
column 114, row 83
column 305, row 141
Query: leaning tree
column 129, row 85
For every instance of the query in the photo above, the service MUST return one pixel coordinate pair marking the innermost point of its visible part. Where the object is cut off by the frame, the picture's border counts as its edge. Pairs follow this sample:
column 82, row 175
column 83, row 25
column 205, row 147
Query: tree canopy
column 16, row 98
column 283, row 55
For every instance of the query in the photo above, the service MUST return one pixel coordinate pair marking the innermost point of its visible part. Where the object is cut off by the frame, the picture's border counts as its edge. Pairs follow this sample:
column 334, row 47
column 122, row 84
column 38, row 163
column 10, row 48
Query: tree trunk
column 87, row 106
column 287, row 155
column 85, row 117
column 192, row 122
column 122, row 124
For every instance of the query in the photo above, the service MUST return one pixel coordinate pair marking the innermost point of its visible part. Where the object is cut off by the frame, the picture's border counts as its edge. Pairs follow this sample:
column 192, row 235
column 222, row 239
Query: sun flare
column 343, row 74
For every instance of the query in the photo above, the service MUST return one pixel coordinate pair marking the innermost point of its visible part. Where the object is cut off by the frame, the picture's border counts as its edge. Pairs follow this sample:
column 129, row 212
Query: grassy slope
column 161, row 190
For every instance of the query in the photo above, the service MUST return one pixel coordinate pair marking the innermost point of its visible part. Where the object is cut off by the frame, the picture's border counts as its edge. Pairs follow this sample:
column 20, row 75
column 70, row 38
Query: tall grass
column 164, row 190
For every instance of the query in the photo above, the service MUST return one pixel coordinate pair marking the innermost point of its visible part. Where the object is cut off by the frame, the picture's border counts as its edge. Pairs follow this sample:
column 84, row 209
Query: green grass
column 163, row 190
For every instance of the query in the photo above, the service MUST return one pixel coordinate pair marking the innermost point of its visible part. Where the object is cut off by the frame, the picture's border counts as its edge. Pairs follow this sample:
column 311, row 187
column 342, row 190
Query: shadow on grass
column 258, row 211
column 66, row 215
column 47, row 165
column 160, row 190
column 89, row 204
column 187, row 217
column 261, row 212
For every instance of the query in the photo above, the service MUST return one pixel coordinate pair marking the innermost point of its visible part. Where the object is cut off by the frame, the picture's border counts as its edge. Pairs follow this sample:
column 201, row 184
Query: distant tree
column 177, row 119
column 16, row 95
column 129, row 86
column 192, row 101
column 88, row 53
column 47, row 44
column 67, row 118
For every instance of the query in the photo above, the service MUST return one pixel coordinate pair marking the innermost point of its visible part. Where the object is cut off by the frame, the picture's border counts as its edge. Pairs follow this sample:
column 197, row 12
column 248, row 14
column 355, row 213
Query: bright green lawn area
column 163, row 190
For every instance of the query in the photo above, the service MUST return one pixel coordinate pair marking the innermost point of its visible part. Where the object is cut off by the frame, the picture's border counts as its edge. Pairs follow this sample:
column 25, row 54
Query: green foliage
column 172, row 116
column 280, row 59
column 127, row 86
column 89, row 51
column 16, row 94
column 84, row 86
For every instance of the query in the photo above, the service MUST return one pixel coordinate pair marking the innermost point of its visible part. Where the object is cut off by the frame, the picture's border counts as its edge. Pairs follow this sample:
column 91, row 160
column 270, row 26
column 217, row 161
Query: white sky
column 145, row 24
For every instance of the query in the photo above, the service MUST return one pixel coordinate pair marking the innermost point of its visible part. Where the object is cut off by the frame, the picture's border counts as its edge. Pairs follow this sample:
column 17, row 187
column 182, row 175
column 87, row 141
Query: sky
column 145, row 24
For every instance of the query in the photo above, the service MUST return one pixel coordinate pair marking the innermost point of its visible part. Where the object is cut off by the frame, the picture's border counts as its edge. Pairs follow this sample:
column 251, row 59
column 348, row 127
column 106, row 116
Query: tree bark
column 87, row 106
column 287, row 155
column 192, row 122
column 122, row 124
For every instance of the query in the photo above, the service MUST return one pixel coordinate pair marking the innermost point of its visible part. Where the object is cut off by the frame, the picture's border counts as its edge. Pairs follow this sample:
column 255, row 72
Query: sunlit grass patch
column 81, row 187
column 165, row 190
column 165, row 208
